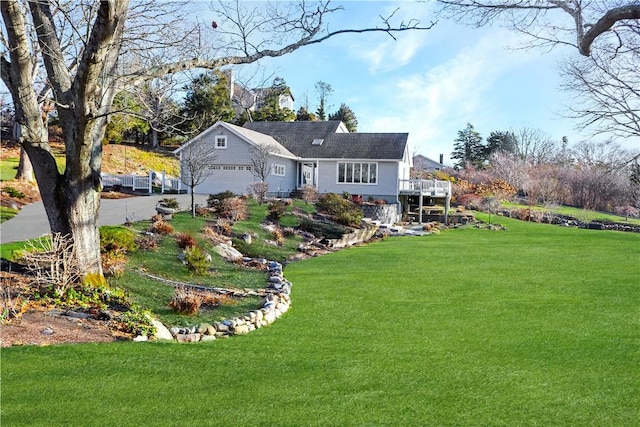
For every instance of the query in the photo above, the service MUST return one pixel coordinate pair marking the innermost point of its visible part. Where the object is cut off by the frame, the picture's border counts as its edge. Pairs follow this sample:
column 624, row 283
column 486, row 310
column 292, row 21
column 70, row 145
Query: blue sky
column 431, row 83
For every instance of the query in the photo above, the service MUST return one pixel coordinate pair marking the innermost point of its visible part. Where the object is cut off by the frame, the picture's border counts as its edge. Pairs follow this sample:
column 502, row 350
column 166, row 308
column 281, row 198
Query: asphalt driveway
column 32, row 222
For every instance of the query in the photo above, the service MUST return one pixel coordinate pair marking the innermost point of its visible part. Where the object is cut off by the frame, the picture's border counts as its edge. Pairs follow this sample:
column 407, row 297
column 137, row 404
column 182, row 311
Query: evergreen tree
column 468, row 149
column 127, row 121
column 270, row 110
column 500, row 141
column 303, row 115
column 346, row 116
column 207, row 101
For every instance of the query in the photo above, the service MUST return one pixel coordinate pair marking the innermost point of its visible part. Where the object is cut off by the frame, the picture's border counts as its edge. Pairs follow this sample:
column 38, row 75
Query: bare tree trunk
column 25, row 168
column 154, row 139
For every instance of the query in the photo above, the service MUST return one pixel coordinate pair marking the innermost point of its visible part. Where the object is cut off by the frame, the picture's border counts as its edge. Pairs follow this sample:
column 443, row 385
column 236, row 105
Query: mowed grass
column 537, row 325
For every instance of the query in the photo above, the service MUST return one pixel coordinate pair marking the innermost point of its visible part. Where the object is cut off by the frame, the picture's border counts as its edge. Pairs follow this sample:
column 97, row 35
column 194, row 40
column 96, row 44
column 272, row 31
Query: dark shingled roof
column 298, row 137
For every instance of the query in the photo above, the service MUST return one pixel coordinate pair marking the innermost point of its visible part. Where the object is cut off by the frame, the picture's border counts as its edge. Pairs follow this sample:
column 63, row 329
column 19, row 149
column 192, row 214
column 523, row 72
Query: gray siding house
column 319, row 154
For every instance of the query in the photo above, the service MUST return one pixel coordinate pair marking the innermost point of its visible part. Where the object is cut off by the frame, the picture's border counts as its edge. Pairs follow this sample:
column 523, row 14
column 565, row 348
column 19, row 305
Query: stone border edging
column 275, row 302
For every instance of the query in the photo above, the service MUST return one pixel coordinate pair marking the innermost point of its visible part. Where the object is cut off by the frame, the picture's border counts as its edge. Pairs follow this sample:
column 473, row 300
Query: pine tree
column 468, row 149
column 346, row 116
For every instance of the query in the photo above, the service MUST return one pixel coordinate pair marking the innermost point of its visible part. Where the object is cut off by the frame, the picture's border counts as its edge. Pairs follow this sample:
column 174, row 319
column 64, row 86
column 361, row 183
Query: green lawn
column 537, row 325
column 8, row 169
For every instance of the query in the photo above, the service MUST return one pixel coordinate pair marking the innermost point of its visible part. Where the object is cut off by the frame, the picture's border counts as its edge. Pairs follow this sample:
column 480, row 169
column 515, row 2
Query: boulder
column 202, row 328
column 241, row 330
column 162, row 333
column 185, row 338
column 227, row 252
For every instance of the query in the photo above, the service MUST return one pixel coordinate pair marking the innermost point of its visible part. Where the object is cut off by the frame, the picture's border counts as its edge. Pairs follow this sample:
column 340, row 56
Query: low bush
column 113, row 263
column 186, row 301
column 234, row 209
column 148, row 242
column 185, row 240
column 117, row 240
column 469, row 201
column 344, row 211
column 197, row 260
column 309, row 194
column 276, row 209
column 170, row 202
column 161, row 227
column 322, row 229
column 214, row 200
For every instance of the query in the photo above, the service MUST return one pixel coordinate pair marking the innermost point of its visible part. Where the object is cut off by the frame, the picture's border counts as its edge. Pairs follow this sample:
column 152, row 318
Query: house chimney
column 441, row 159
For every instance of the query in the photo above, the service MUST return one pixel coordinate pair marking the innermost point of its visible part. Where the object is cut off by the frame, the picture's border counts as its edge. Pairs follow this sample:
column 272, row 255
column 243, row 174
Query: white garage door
column 235, row 178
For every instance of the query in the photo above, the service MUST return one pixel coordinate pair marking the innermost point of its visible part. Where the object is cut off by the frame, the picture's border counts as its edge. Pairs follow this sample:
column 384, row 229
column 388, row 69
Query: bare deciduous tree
column 197, row 161
column 83, row 45
column 606, row 89
column 533, row 145
column 605, row 33
column 549, row 22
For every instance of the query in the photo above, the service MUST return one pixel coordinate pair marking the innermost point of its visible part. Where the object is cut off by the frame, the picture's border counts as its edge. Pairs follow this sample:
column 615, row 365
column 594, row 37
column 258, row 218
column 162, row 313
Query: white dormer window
column 221, row 142
column 317, row 141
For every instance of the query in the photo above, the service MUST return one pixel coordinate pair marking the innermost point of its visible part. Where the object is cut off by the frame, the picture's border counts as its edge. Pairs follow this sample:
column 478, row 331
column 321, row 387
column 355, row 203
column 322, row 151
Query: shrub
column 217, row 234
column 214, row 200
column 197, row 261
column 344, row 211
column 117, row 240
column 148, row 242
column 309, row 194
column 113, row 263
column 322, row 229
column 170, row 202
column 628, row 211
column 469, row 201
column 186, row 301
column 234, row 208
column 185, row 240
column 161, row 227
column 277, row 208
column 278, row 236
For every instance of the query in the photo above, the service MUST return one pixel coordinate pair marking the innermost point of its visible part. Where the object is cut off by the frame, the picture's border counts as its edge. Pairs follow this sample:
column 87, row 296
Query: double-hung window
column 357, row 173
column 221, row 142
column 278, row 170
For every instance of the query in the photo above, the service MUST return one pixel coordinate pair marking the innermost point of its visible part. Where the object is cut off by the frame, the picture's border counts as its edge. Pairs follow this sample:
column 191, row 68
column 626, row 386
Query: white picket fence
column 143, row 182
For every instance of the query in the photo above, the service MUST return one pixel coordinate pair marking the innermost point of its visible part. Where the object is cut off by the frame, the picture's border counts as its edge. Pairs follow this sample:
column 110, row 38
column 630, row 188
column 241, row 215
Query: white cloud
column 433, row 103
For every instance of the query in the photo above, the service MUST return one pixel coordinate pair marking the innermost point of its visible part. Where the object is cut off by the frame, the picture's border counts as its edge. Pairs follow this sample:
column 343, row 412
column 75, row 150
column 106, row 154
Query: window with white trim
column 278, row 170
column 357, row 173
column 221, row 141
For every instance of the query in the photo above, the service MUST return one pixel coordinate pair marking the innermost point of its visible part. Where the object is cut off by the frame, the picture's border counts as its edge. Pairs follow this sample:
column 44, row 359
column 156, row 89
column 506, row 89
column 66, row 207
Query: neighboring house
column 425, row 164
column 320, row 154
column 251, row 100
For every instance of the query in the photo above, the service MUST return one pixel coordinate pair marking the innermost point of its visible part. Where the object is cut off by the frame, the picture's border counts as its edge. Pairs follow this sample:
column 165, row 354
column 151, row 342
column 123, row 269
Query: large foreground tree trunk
column 72, row 199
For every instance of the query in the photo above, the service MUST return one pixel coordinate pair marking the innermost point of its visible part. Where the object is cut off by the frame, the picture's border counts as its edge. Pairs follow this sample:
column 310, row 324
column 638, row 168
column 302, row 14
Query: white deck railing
column 432, row 187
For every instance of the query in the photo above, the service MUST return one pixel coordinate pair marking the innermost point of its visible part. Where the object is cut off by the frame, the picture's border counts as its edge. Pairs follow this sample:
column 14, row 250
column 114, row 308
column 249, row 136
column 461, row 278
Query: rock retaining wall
column 275, row 302
column 386, row 214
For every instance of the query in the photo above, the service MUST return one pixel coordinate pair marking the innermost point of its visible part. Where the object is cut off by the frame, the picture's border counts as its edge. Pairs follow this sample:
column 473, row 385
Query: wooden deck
column 430, row 197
